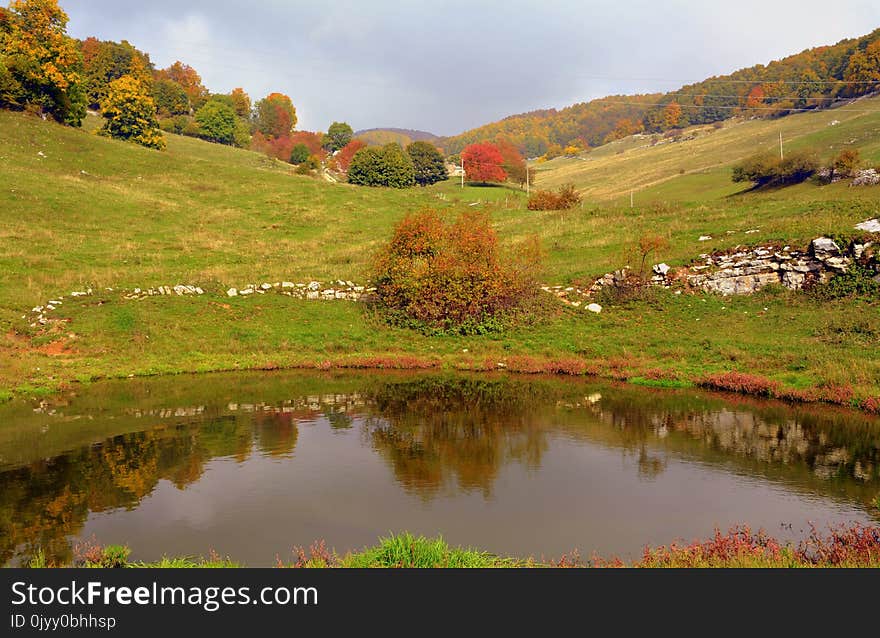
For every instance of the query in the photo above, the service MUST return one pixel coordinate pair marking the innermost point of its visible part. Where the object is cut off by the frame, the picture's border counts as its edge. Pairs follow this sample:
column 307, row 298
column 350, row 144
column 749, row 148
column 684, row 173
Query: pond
column 252, row 465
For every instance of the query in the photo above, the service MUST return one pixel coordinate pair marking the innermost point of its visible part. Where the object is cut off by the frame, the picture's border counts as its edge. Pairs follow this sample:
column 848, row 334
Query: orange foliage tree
column 189, row 79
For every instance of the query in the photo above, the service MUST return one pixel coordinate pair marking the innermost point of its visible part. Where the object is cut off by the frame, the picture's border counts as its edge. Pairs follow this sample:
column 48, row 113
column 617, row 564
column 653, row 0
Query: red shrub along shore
column 743, row 383
column 845, row 546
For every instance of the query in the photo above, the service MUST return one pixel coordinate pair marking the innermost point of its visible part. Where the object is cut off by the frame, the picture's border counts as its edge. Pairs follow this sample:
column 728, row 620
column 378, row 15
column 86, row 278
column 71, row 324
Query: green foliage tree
column 428, row 165
column 170, row 98
column 242, row 137
column 299, row 154
column 387, row 166
column 217, row 120
column 40, row 65
column 131, row 114
column 338, row 136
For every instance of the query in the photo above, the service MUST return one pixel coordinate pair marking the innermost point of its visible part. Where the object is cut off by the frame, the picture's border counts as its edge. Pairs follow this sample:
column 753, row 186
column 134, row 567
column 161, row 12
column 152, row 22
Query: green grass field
column 78, row 210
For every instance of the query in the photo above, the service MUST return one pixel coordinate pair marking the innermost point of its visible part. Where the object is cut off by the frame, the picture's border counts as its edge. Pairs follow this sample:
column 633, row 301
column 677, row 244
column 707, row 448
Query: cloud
column 448, row 65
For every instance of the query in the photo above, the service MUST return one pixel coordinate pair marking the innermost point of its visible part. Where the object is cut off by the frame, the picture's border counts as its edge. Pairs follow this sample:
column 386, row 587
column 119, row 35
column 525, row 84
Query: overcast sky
column 449, row 65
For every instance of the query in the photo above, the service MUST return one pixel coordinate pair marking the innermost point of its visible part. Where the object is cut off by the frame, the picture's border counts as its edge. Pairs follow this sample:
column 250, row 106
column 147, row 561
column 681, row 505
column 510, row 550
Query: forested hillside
column 813, row 79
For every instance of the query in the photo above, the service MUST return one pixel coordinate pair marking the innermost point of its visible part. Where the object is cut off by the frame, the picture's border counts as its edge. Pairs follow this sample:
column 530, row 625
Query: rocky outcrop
column 744, row 271
column 747, row 271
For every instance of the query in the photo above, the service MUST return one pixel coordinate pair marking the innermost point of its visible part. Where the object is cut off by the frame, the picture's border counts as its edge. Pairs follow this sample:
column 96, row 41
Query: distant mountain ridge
column 403, row 136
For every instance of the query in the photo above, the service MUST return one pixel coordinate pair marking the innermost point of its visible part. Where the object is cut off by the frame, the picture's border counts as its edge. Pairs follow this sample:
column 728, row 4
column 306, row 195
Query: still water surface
column 251, row 465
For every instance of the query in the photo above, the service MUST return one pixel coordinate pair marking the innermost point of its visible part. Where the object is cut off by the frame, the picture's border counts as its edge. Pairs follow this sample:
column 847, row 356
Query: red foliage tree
column 514, row 164
column 483, row 163
column 343, row 157
column 313, row 142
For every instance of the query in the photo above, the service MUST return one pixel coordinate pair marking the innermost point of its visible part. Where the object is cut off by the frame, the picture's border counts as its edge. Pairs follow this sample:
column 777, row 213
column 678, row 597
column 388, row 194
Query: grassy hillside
column 698, row 166
column 77, row 210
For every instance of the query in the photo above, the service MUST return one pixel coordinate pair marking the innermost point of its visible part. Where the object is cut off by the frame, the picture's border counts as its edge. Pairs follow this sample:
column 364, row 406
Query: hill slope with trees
column 814, row 79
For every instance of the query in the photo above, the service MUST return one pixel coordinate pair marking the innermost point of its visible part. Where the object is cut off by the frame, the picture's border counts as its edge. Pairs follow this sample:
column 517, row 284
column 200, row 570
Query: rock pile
column 312, row 291
column 869, row 177
column 747, row 271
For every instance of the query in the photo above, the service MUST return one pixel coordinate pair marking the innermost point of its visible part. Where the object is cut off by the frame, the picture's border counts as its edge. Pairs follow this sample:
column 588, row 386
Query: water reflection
column 445, row 441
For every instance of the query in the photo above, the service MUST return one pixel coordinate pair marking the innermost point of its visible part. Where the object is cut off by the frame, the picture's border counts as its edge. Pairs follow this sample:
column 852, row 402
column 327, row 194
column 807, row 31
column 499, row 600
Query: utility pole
column 781, row 152
column 632, row 199
column 462, row 173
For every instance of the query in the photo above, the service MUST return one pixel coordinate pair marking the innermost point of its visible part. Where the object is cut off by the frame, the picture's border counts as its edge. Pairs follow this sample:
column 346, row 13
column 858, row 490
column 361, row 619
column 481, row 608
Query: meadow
column 82, row 211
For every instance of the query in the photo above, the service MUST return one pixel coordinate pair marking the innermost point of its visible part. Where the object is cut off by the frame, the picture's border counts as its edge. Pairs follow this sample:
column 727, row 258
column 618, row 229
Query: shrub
column 299, row 154
column 451, row 277
column 566, row 198
column 310, row 164
column 765, row 169
column 846, row 164
column 858, row 282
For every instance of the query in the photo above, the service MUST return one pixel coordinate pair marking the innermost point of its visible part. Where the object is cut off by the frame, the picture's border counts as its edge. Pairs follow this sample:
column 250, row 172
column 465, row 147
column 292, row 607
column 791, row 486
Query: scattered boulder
column 870, row 226
column 595, row 308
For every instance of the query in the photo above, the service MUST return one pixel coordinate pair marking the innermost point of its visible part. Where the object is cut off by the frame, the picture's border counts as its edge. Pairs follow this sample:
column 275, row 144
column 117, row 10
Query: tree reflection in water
column 439, row 435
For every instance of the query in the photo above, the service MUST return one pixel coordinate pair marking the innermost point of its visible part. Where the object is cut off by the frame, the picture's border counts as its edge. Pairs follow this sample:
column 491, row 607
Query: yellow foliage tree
column 131, row 113
column 43, row 60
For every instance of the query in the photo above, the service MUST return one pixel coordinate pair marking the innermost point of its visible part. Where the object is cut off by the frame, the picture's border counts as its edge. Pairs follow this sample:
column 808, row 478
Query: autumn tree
column 40, row 65
column 241, row 102
column 131, row 114
column 189, row 79
column 338, row 136
column 104, row 62
column 344, row 157
column 275, row 115
column 512, row 161
column 428, row 164
column 672, row 115
column 483, row 163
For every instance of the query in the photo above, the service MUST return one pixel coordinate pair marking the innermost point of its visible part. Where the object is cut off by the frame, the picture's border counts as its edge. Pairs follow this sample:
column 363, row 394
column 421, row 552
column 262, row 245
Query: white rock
column 661, row 269
column 232, row 292
column 870, row 226
column 266, row 287
column 287, row 285
column 594, row 307
column 825, row 247
column 705, row 238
